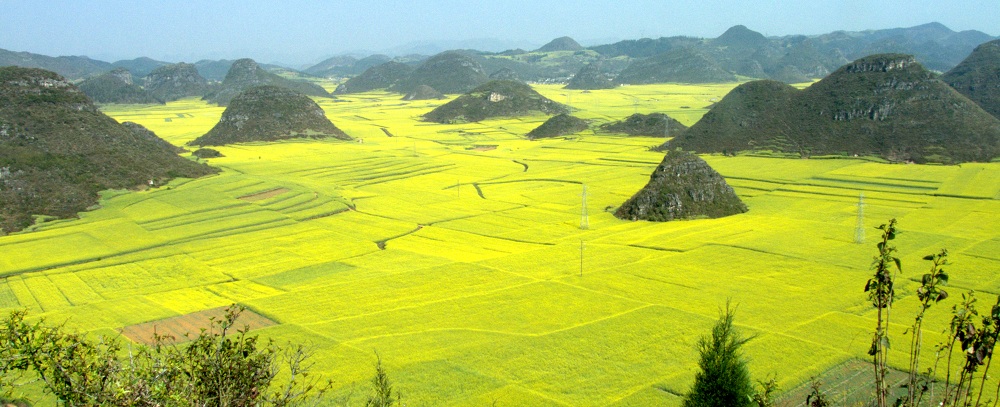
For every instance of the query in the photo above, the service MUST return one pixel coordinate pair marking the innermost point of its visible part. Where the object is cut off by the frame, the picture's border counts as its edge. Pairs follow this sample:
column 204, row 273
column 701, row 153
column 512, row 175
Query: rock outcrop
column 269, row 113
column 495, row 99
column 176, row 81
column 884, row 105
column 377, row 77
column 590, row 77
column 561, row 44
column 116, row 86
column 558, row 125
column 449, row 72
column 650, row 125
column 423, row 92
column 978, row 77
column 57, row 150
column 683, row 186
column 245, row 74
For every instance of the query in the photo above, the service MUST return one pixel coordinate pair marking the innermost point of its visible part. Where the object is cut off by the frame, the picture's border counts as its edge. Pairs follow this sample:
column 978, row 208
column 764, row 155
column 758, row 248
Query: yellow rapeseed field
column 456, row 252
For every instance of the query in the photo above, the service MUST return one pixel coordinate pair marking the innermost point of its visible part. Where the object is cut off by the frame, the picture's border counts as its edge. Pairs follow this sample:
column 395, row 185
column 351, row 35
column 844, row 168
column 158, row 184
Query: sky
column 299, row 33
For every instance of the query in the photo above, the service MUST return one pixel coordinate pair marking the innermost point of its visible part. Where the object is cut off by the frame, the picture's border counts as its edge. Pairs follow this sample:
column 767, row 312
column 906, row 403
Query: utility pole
column 584, row 219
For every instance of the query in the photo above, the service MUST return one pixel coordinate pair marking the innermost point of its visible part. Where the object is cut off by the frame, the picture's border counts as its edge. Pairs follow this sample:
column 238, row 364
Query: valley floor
column 457, row 253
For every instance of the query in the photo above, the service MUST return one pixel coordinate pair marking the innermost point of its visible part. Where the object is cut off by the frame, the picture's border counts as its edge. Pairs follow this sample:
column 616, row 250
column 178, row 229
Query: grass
column 476, row 295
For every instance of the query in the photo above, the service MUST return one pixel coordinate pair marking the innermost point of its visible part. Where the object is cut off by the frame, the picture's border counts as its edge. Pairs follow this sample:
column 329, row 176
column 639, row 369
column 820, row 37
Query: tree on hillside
column 382, row 394
column 724, row 379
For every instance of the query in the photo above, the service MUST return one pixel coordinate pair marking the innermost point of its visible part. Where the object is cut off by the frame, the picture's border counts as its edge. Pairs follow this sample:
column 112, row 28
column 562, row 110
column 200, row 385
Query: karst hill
column 885, row 105
column 495, row 99
column 377, row 77
column 650, row 125
column 683, row 186
column 269, row 113
column 591, row 76
column 245, row 74
column 423, row 92
column 558, row 125
column 449, row 72
column 686, row 65
column 57, row 150
column 978, row 77
column 561, row 44
column 176, row 81
column 116, row 86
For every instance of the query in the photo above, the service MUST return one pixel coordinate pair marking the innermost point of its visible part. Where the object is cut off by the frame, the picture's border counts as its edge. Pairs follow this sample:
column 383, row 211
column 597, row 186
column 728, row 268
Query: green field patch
column 973, row 180
column 649, row 396
column 304, row 276
column 243, row 291
column 519, row 310
column 364, row 226
column 564, row 260
column 847, row 384
column 23, row 294
column 641, row 346
column 394, row 261
column 8, row 299
column 46, row 294
column 112, row 314
column 438, row 383
column 989, row 249
column 148, row 276
column 187, row 300
column 513, row 395
column 260, row 196
column 186, row 327
column 442, row 242
column 76, row 291
column 356, row 293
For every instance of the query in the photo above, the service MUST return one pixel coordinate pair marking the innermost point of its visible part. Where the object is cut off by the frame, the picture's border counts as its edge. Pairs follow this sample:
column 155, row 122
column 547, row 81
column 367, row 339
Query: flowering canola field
column 457, row 253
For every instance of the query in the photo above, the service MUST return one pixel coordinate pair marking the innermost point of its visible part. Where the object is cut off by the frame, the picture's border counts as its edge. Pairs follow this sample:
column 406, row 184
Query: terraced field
column 462, row 265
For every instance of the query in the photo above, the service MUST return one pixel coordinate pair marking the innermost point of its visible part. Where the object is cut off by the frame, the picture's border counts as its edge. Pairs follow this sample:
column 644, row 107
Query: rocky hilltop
column 558, row 125
column 447, row 72
column 884, row 105
column 683, row 186
column 591, row 76
column 346, row 65
column 377, row 77
column 423, row 92
column 116, row 86
column 139, row 67
column 650, row 125
column 561, row 44
column 176, row 81
column 495, row 99
column 269, row 113
column 57, row 150
column 245, row 74
column 978, row 77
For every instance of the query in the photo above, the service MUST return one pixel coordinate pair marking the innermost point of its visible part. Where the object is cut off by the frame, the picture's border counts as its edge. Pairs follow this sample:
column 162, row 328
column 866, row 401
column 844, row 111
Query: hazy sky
column 301, row 32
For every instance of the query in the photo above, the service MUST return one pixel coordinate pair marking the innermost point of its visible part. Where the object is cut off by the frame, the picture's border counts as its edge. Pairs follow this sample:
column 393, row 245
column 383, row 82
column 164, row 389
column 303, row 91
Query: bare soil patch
column 191, row 324
column 260, row 196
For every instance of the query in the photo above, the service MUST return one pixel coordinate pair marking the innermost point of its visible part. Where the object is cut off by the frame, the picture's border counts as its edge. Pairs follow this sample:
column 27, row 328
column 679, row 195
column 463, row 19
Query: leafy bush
column 222, row 366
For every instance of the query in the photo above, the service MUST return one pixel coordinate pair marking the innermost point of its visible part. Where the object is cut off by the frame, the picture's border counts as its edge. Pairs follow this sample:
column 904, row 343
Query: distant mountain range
column 739, row 52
